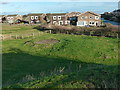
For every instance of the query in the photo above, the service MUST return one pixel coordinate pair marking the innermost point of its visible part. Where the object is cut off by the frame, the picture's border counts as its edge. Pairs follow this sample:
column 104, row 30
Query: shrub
column 95, row 31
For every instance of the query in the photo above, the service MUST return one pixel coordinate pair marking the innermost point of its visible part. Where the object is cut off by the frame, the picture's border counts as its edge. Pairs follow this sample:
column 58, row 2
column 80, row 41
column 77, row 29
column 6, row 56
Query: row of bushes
column 107, row 31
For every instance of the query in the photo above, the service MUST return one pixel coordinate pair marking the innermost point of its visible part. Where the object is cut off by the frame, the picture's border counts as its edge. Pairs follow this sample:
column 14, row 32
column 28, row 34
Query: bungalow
column 89, row 18
column 57, row 18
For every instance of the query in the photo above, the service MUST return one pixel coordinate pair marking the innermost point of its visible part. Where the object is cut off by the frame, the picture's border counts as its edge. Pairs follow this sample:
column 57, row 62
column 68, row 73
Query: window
column 54, row 17
column 92, row 22
column 37, row 21
column 11, row 18
column 96, row 17
column 80, row 23
column 90, row 17
column 54, row 22
column 31, row 21
column 60, row 22
column 96, row 23
column 59, row 17
column 32, row 17
column 67, row 22
column 82, row 17
column 36, row 17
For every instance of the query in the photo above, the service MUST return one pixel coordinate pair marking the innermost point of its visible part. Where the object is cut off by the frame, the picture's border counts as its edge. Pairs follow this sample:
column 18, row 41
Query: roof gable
column 73, row 14
column 90, row 13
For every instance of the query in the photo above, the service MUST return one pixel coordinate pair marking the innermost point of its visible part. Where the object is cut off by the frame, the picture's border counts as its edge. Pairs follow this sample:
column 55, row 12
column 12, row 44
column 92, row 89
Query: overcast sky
column 59, row 0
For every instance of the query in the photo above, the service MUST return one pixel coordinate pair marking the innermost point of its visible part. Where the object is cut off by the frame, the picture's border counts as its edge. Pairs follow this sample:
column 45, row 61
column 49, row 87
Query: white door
column 85, row 23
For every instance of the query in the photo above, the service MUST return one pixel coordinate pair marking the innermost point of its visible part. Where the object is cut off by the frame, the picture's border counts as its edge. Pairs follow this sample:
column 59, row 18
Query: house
column 1, row 16
column 13, row 18
column 89, row 18
column 73, row 17
column 57, row 18
column 25, row 18
column 34, row 18
column 3, row 19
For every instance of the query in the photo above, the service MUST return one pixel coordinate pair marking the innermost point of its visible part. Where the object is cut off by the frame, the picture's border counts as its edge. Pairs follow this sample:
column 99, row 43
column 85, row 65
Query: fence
column 88, row 33
column 19, row 36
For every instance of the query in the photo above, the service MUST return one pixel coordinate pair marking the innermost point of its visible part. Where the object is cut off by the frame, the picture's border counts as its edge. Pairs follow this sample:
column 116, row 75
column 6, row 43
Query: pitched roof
column 35, row 14
column 55, row 13
column 71, row 14
column 12, row 15
column 90, row 13
column 1, row 15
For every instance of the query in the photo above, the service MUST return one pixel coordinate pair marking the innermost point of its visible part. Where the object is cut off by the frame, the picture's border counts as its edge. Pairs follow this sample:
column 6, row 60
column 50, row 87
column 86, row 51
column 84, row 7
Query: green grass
column 18, row 29
column 74, row 62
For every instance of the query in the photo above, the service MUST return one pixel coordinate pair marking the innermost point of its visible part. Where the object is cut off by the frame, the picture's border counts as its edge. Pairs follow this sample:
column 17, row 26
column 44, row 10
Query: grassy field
column 73, row 62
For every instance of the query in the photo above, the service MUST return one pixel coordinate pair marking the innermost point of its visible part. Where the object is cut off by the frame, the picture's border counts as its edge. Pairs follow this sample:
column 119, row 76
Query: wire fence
column 19, row 36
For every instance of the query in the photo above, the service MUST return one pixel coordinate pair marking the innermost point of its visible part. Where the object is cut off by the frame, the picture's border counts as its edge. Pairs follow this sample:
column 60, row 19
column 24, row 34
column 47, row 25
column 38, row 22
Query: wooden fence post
column 16, row 37
column 90, row 33
column 50, row 31
column 117, row 35
column 22, row 37
column 67, row 32
column 2, row 37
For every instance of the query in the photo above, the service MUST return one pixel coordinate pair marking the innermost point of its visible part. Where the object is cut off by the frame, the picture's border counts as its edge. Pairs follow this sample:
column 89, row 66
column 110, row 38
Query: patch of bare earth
column 48, row 41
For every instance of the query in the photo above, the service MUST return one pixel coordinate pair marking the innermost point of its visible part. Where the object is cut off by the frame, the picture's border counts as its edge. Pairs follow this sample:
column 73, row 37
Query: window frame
column 32, row 17
column 54, row 17
column 82, row 17
column 96, row 17
column 59, row 17
column 54, row 22
column 91, row 23
column 60, row 22
column 90, row 17
column 36, row 16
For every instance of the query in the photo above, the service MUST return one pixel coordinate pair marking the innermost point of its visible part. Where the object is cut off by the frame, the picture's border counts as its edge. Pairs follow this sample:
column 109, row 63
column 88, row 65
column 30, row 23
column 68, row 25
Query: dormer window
column 59, row 17
column 54, row 17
